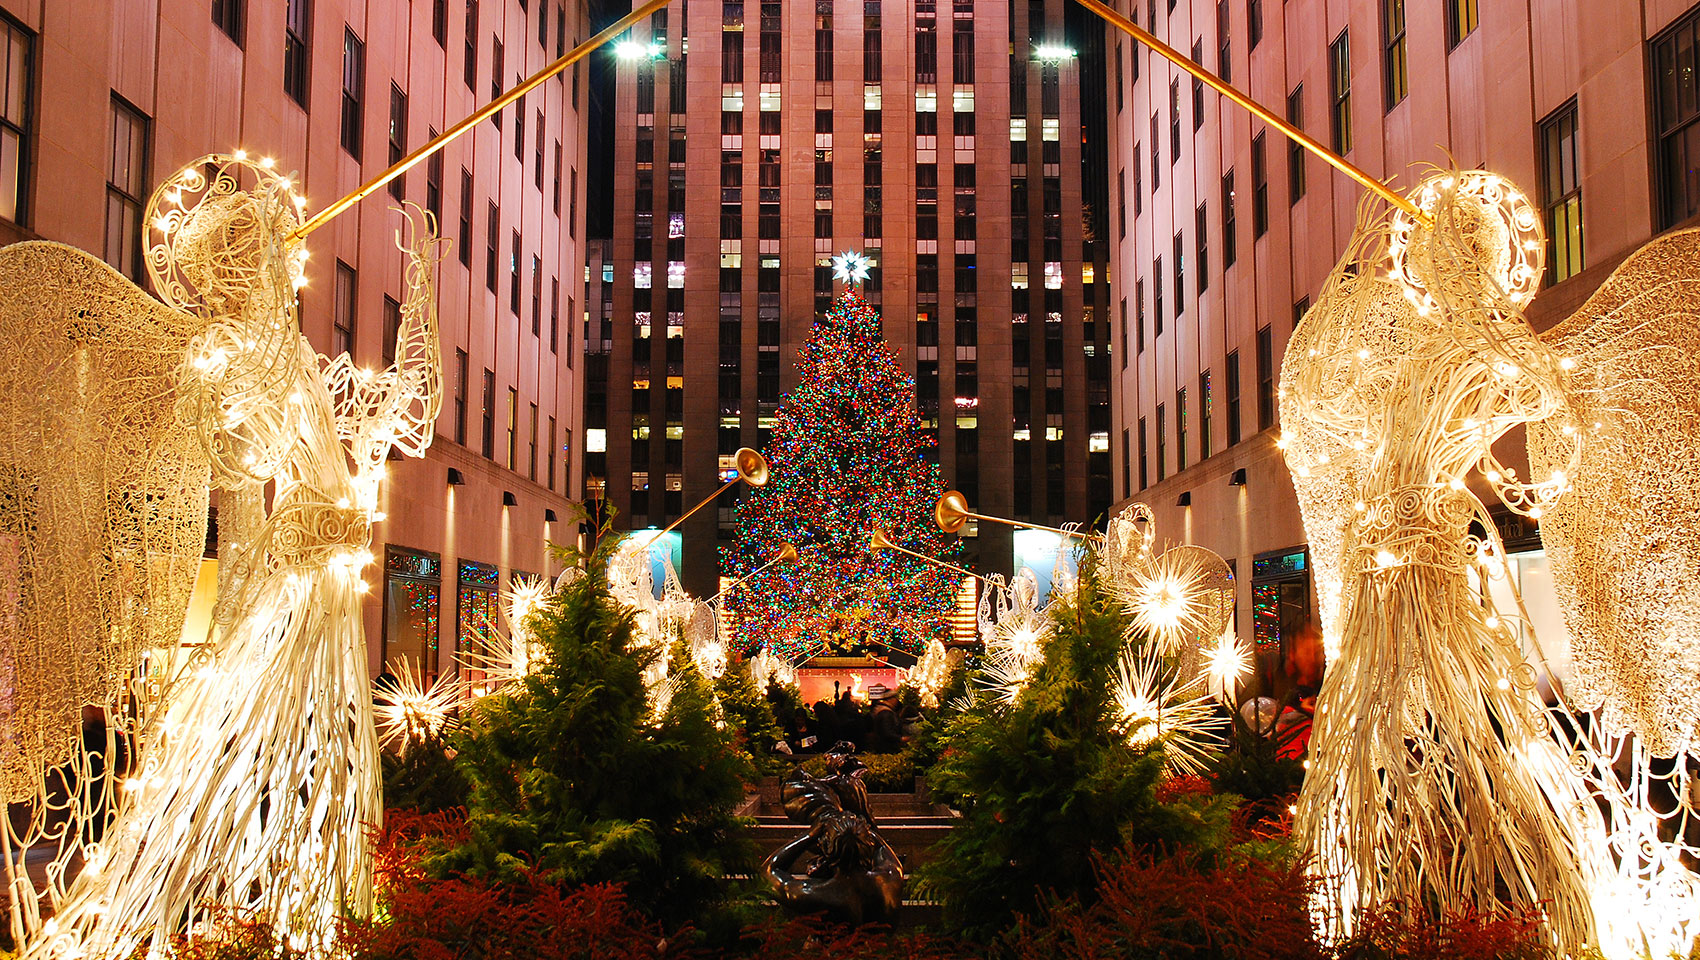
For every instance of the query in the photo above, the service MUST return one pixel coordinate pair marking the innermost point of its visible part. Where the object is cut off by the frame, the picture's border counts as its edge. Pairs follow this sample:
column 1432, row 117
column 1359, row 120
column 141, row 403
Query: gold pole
column 443, row 139
column 1257, row 109
column 877, row 540
column 951, row 512
column 752, row 469
column 786, row 552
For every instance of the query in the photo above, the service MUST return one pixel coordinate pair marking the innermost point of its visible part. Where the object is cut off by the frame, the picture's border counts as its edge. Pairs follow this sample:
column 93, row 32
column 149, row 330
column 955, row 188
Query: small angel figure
column 257, row 788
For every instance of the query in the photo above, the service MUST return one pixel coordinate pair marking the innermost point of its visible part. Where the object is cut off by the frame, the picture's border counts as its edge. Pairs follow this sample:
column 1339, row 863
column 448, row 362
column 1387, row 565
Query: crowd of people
column 882, row 725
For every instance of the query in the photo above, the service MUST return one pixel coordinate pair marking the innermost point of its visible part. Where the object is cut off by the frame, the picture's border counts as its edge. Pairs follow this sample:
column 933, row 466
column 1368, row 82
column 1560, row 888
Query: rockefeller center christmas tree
column 846, row 457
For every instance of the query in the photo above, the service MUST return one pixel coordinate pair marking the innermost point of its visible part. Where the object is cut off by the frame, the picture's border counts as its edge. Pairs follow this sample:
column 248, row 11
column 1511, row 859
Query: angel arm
column 397, row 408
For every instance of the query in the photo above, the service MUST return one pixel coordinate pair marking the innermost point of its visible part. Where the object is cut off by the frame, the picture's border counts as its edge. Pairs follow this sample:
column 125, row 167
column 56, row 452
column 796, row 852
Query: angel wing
column 103, row 495
column 1624, row 542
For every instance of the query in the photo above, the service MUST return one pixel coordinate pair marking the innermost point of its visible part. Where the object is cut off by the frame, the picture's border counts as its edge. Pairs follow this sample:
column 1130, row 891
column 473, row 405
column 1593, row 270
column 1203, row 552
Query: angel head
column 218, row 234
column 1481, row 244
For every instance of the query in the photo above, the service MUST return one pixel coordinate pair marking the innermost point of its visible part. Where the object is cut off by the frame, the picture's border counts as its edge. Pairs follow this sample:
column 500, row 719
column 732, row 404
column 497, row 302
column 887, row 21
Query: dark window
column 1138, row 183
column 1162, row 442
column 1157, row 297
column 492, row 246
column 489, row 432
column 543, row 27
column 469, row 63
column 460, row 396
column 1121, row 203
column 496, row 78
column 1460, row 21
column 230, row 16
column 1156, row 155
column 353, row 92
column 1254, row 23
column 342, row 310
column 823, row 55
column 519, row 131
column 1676, row 108
column 1127, row 348
column 1197, row 87
column 17, row 49
column 1201, row 237
column 1396, row 83
column 1259, row 187
column 126, row 189
column 1299, row 311
column 1265, row 377
column 1562, row 193
column 531, row 447
column 550, row 453
column 1127, row 468
column 537, row 158
column 1296, row 153
column 297, row 37
column 1230, row 237
column 1340, row 90
column 513, row 276
column 1233, row 364
column 1180, row 274
column 555, row 314
column 1204, row 415
column 440, row 21
column 1174, row 120
column 732, row 57
column 464, row 235
column 434, row 182
column 536, row 295
column 1139, row 315
column 398, row 138
column 1224, row 49
column 392, row 329
column 511, row 432
column 1144, row 467
column 559, row 155
column 1180, row 430
column 962, row 52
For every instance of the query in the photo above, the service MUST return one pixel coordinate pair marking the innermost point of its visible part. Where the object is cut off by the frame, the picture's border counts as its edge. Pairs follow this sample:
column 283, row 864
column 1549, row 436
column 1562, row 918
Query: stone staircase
column 911, row 822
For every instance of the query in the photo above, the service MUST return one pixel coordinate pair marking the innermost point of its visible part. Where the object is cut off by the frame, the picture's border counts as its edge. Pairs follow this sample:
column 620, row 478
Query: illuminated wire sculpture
column 257, row 778
column 1438, row 774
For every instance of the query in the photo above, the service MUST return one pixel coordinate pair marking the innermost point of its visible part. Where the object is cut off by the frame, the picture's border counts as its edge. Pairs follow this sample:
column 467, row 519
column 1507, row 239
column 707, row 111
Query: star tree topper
column 851, row 267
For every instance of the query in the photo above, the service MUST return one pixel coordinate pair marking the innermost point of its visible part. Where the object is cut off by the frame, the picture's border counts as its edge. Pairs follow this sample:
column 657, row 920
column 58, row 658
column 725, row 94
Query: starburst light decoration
column 508, row 653
column 409, row 715
column 1181, row 599
column 1226, row 665
column 851, row 267
column 1415, row 359
column 1155, row 706
column 256, row 781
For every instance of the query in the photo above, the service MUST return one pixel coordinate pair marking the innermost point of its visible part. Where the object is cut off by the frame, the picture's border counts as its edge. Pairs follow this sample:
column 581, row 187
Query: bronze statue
column 842, row 867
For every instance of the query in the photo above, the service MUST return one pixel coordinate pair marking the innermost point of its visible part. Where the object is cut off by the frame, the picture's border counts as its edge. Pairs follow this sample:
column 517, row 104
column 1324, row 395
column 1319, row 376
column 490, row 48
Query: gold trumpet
column 752, row 469
column 878, row 540
column 951, row 512
column 787, row 552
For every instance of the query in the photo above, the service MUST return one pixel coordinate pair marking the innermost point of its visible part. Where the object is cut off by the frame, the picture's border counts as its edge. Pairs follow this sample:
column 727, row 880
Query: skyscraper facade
column 1224, row 231
column 99, row 101
column 942, row 138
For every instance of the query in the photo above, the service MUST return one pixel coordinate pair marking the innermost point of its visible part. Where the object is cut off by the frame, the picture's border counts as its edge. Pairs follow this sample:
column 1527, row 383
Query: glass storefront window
column 413, row 584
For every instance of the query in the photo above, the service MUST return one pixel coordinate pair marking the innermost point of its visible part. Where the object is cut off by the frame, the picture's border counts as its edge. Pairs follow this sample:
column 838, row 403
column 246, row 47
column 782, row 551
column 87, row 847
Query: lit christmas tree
column 846, row 457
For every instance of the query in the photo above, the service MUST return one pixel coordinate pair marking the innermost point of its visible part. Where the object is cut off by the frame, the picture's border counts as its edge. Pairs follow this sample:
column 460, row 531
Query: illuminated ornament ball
column 851, row 267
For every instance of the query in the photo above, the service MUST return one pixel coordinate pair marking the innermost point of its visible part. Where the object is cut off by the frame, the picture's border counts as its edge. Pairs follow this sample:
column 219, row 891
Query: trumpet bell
column 752, row 466
column 951, row 512
column 787, row 552
column 877, row 540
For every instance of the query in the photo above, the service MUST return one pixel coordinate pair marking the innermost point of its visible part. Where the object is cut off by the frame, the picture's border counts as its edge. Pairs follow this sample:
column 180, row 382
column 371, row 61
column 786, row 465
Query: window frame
column 1557, row 198
column 133, row 197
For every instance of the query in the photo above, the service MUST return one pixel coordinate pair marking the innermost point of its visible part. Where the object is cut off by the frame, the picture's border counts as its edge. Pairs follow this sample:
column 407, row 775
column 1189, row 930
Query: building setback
column 756, row 139
column 1224, row 232
column 101, row 100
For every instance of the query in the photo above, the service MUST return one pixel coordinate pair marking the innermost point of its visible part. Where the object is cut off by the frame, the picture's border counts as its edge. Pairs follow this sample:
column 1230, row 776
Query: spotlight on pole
column 1052, row 53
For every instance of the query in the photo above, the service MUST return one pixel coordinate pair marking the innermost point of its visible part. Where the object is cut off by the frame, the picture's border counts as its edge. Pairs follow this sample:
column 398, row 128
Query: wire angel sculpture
column 257, row 778
column 1438, row 774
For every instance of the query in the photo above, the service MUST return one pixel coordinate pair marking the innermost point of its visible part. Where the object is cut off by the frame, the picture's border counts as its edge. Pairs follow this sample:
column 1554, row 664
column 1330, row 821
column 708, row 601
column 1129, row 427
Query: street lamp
column 632, row 50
